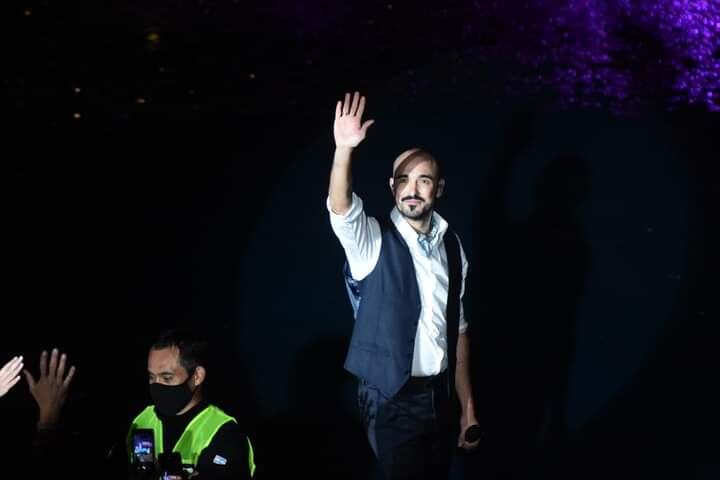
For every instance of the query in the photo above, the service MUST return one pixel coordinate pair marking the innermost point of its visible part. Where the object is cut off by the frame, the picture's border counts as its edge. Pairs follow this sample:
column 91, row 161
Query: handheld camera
column 143, row 451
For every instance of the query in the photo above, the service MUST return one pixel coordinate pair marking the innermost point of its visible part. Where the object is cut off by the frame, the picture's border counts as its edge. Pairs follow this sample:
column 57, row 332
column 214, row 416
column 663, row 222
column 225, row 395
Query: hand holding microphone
column 471, row 438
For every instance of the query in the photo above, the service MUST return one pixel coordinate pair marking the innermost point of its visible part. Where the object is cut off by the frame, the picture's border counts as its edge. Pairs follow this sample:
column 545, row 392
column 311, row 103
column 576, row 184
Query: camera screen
column 143, row 446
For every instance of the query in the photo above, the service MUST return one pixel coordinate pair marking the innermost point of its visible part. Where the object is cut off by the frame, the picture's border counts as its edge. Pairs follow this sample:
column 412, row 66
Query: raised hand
column 348, row 128
column 10, row 374
column 50, row 389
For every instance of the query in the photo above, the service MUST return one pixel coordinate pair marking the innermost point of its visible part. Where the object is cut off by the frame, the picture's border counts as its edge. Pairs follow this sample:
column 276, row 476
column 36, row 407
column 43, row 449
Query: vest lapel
column 452, row 313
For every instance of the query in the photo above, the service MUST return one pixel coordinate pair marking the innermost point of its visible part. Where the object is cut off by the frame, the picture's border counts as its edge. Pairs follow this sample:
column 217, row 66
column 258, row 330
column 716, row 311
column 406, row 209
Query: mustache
column 412, row 197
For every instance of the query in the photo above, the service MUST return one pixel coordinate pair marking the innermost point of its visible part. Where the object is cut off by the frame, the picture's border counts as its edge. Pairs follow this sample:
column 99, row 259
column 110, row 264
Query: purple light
column 625, row 53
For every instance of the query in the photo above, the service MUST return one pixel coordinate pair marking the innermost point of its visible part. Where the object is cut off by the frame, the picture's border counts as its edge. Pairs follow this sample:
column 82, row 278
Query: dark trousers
column 410, row 433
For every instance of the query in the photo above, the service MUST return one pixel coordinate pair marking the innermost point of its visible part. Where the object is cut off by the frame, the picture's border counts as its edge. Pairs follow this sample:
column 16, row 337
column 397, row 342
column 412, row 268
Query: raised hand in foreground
column 51, row 388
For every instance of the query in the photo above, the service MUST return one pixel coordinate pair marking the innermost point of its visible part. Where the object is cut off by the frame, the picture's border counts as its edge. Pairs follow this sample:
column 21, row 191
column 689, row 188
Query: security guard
column 209, row 442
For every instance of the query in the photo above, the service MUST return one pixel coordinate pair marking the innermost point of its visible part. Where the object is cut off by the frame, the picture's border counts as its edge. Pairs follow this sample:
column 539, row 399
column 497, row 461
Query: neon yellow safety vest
column 197, row 435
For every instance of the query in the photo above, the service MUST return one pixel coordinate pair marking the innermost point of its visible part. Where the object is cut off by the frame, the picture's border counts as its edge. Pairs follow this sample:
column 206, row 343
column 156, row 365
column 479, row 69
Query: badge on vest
column 218, row 460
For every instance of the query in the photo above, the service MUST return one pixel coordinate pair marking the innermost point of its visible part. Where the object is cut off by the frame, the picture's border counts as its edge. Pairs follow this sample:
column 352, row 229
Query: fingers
column 355, row 101
column 30, row 379
column 52, row 367
column 352, row 105
column 346, row 104
column 366, row 125
column 465, row 445
column 43, row 363
column 68, row 379
column 61, row 371
column 361, row 107
column 11, row 368
column 12, row 382
column 61, row 368
column 470, row 446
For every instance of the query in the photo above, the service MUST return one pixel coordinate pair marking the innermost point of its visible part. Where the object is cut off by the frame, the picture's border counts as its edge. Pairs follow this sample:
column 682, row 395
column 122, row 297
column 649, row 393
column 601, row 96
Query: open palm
column 349, row 130
column 10, row 374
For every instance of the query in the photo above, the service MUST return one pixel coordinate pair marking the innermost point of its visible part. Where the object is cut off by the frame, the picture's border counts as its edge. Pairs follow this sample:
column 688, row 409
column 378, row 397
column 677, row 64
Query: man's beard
column 415, row 212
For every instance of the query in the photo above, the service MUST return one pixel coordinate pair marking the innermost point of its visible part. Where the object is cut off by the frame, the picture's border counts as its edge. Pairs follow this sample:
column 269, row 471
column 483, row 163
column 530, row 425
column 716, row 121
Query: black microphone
column 473, row 433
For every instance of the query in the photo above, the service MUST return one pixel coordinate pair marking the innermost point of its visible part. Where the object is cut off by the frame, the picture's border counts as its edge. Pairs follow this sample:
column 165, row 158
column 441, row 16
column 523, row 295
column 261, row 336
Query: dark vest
column 387, row 310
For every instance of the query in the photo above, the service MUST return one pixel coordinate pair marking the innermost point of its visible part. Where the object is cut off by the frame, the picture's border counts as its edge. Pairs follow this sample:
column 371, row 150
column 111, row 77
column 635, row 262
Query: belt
column 425, row 383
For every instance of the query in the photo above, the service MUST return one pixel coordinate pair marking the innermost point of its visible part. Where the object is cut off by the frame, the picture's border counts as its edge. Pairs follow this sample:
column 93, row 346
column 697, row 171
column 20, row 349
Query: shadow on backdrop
column 530, row 278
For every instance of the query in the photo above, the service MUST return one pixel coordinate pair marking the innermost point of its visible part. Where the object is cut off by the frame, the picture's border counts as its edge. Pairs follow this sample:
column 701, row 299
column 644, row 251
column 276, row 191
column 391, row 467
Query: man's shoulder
column 227, row 454
column 146, row 412
column 230, row 437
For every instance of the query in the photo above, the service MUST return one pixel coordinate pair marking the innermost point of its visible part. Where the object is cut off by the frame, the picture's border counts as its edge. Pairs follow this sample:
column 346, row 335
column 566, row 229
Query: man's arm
column 359, row 234
column 348, row 131
column 463, row 386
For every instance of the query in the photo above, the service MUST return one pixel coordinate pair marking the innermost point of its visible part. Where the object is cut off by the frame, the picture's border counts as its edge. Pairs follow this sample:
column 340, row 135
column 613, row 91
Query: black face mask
column 170, row 399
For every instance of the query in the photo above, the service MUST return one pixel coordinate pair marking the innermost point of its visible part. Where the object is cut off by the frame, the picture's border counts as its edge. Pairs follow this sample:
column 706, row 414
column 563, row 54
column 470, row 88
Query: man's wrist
column 48, row 421
column 344, row 149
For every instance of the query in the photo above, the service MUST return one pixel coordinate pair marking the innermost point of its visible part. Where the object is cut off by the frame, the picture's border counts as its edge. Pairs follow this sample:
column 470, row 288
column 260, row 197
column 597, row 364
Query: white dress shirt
column 361, row 238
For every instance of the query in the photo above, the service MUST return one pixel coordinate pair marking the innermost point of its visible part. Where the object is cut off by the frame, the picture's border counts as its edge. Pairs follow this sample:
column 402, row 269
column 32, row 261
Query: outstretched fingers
column 355, row 102
column 346, row 104
column 30, row 379
column 11, row 369
column 11, row 383
column 68, row 379
column 361, row 107
column 52, row 367
column 43, row 363
column 366, row 125
column 61, row 368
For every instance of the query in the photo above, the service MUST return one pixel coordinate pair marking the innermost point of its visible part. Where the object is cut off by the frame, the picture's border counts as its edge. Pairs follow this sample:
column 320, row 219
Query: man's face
column 164, row 367
column 415, row 186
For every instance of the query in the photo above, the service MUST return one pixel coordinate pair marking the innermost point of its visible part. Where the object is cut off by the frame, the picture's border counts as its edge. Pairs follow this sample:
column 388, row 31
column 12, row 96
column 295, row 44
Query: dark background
column 166, row 164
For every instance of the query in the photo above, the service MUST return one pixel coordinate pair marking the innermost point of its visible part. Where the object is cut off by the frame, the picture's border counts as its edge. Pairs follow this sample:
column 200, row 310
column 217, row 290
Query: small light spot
column 140, row 100
column 389, row 6
column 76, row 116
column 27, row 13
column 76, row 90
column 251, row 76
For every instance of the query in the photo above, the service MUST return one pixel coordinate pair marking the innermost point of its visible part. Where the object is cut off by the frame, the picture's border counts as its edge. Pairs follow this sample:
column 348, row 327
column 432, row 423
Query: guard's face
column 164, row 367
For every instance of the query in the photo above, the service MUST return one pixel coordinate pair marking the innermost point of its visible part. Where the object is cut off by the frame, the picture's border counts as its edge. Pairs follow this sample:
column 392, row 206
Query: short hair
column 193, row 349
column 414, row 153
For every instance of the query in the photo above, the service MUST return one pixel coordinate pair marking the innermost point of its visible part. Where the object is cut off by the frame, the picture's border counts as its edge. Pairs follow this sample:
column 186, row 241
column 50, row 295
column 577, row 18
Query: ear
column 441, row 188
column 392, row 185
column 198, row 376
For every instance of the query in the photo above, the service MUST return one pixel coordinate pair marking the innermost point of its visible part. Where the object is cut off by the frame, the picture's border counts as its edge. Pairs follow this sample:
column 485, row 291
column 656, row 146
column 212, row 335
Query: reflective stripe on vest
column 195, row 438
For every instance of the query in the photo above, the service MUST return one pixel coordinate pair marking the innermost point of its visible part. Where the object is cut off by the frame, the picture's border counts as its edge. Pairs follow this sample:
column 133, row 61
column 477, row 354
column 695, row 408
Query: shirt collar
column 408, row 232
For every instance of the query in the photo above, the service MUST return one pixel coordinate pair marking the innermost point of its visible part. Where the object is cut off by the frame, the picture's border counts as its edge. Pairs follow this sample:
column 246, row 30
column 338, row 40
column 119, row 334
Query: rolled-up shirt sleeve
column 359, row 235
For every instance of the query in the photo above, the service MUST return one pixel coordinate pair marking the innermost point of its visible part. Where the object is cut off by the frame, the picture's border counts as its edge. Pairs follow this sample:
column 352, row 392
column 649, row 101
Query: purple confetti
column 624, row 53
